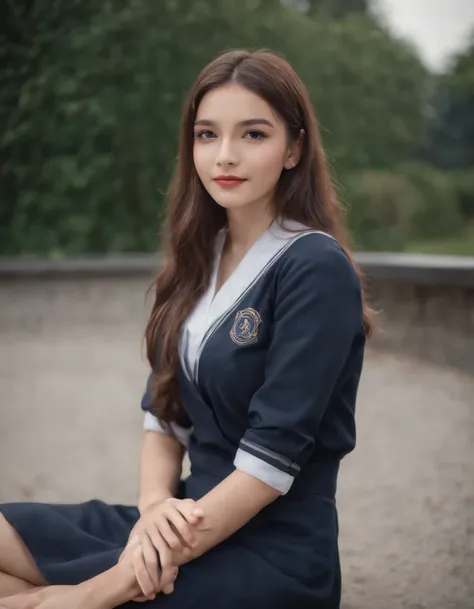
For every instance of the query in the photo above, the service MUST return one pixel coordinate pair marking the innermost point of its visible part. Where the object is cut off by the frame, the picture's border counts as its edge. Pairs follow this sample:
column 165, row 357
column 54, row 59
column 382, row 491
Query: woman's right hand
column 165, row 526
column 175, row 519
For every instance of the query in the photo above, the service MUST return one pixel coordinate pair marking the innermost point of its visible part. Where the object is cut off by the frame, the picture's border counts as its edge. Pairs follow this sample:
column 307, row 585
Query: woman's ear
column 294, row 151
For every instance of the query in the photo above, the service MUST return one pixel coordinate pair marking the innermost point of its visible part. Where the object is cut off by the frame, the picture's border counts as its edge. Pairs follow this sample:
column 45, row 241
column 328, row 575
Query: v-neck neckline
column 218, row 260
column 213, row 307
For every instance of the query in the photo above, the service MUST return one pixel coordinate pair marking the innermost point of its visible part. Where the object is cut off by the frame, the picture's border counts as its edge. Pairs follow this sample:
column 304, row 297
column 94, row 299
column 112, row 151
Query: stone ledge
column 425, row 304
column 130, row 265
column 420, row 269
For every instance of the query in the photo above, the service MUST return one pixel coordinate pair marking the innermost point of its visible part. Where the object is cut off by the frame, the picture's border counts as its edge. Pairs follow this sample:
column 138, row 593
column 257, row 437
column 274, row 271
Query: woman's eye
column 255, row 135
column 205, row 134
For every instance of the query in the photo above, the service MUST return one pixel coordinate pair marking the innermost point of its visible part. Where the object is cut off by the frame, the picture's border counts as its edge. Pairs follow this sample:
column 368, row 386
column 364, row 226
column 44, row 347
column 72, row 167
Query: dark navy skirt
column 72, row 543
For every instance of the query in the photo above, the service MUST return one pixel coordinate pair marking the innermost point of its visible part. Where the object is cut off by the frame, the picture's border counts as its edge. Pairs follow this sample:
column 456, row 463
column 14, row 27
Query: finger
column 157, row 540
column 151, row 561
column 190, row 510
column 168, row 569
column 193, row 514
column 181, row 526
column 170, row 535
column 141, row 573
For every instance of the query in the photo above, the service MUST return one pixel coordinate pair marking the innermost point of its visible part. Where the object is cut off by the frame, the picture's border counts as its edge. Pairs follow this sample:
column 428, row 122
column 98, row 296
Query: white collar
column 213, row 308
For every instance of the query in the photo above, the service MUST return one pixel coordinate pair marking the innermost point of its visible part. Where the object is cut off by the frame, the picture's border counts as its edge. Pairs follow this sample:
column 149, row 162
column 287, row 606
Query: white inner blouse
column 212, row 307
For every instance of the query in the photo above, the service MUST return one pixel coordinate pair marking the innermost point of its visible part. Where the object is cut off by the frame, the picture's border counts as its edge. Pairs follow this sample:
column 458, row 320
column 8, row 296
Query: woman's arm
column 160, row 468
column 161, row 525
column 230, row 505
column 227, row 507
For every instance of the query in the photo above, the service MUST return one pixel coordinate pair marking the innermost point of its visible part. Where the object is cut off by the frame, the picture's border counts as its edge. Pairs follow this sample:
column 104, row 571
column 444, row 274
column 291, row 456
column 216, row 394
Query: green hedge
column 387, row 210
column 90, row 97
column 464, row 185
column 380, row 209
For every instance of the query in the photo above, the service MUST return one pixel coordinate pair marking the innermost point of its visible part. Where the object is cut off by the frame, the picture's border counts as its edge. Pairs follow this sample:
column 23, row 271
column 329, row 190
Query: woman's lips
column 229, row 181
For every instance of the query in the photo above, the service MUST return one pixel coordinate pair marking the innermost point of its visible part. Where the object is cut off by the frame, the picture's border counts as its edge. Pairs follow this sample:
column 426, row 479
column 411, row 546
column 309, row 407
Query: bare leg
column 10, row 585
column 106, row 591
column 33, row 597
column 21, row 584
column 15, row 559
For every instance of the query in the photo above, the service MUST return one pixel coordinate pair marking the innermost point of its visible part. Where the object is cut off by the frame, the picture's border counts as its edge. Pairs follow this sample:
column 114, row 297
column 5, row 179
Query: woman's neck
column 244, row 228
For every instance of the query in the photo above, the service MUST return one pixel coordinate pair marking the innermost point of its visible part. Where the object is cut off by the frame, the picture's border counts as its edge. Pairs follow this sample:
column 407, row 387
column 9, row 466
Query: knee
column 15, row 558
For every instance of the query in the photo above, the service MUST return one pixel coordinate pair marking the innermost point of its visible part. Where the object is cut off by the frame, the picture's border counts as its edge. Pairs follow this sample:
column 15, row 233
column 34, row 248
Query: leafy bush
column 90, row 97
column 439, row 214
column 463, row 182
column 380, row 208
column 387, row 209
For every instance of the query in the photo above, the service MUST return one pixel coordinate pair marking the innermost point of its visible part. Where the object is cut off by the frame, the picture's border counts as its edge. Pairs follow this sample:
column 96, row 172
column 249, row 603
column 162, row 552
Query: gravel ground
column 70, row 427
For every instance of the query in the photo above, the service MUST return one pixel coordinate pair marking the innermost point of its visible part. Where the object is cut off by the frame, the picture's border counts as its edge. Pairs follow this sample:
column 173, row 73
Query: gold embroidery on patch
column 245, row 328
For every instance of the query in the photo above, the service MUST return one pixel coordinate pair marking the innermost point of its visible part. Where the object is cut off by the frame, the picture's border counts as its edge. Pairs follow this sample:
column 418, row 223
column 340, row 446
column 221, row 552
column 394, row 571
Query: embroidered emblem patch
column 245, row 328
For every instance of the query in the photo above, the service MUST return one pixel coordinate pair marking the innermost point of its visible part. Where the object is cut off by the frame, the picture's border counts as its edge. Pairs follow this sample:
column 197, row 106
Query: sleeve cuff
column 274, row 477
column 151, row 423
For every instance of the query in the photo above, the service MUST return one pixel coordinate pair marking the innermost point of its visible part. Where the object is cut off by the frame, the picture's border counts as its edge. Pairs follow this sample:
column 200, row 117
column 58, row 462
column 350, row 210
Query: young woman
column 256, row 343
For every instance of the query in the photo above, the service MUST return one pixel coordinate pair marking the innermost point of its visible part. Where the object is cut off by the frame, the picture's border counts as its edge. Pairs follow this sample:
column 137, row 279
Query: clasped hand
column 165, row 527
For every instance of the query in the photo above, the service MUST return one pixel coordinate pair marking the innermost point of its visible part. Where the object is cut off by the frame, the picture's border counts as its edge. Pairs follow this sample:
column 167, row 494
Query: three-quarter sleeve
column 317, row 315
column 152, row 422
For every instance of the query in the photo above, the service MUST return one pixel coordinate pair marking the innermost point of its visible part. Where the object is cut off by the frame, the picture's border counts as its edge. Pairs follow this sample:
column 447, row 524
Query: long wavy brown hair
column 305, row 193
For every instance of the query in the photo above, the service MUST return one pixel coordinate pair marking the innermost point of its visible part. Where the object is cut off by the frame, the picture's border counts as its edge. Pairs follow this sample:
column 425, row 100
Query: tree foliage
column 338, row 9
column 450, row 141
column 90, row 97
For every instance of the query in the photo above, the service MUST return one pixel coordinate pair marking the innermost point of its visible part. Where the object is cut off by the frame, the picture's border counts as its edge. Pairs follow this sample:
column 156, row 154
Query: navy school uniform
column 268, row 376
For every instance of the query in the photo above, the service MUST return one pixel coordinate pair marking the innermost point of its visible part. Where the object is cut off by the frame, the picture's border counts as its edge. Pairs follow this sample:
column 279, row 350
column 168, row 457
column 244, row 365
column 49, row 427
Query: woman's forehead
column 234, row 104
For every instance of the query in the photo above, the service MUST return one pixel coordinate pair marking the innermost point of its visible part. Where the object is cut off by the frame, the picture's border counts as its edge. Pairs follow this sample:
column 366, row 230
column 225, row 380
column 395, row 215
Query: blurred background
column 90, row 100
column 91, row 92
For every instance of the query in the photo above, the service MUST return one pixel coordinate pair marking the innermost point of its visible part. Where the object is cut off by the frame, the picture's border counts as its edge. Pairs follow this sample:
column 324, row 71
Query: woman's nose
column 227, row 153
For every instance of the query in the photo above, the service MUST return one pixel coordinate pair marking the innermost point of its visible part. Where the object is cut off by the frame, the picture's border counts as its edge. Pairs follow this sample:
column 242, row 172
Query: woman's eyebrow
column 246, row 123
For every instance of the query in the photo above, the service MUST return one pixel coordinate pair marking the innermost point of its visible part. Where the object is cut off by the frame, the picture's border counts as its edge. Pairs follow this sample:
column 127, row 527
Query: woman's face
column 238, row 136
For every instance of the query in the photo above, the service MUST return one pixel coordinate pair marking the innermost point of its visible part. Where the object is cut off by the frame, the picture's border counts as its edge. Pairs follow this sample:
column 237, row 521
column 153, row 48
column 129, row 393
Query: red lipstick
column 228, row 180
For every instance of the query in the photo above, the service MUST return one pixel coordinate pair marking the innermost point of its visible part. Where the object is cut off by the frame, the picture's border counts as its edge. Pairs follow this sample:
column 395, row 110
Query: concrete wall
column 425, row 304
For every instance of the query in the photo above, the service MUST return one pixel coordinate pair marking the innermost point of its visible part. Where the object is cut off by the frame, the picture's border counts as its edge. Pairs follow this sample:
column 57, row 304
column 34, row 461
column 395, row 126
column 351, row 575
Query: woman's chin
column 231, row 202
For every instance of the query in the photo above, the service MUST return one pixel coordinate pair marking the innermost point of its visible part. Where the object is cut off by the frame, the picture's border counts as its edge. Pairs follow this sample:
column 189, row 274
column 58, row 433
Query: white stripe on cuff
column 274, row 477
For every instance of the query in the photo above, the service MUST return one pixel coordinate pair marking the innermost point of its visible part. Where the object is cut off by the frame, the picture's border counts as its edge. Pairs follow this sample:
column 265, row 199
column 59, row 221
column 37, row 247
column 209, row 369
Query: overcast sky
column 437, row 27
